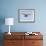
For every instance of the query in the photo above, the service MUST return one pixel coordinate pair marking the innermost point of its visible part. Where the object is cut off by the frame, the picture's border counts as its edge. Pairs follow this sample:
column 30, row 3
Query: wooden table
column 20, row 39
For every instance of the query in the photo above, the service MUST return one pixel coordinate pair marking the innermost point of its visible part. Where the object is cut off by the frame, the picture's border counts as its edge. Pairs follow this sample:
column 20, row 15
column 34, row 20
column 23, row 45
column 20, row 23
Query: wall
column 9, row 8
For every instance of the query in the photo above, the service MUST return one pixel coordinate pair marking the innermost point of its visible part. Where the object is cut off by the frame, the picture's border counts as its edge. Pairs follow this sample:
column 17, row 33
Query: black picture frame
column 26, row 15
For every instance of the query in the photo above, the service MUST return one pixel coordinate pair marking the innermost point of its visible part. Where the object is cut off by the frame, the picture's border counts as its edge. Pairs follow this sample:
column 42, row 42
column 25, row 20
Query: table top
column 22, row 35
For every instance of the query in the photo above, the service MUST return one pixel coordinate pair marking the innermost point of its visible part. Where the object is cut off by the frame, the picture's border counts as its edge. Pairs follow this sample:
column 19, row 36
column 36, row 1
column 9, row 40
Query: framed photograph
column 26, row 15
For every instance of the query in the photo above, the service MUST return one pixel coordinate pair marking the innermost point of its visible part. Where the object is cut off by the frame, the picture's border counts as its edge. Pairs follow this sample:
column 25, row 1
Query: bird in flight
column 26, row 15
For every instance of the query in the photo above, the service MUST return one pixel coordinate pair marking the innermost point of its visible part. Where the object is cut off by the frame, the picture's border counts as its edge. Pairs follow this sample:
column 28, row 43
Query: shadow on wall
column 2, row 21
